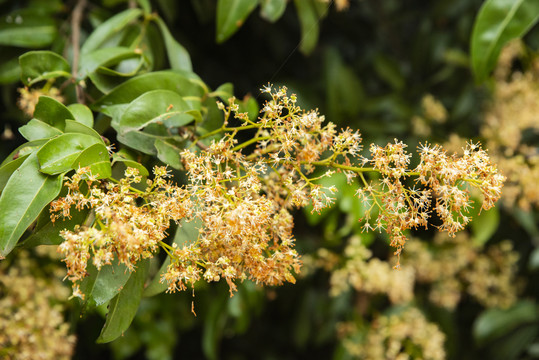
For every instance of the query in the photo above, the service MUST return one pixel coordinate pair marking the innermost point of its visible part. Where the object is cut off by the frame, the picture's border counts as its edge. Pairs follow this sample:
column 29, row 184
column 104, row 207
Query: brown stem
column 76, row 19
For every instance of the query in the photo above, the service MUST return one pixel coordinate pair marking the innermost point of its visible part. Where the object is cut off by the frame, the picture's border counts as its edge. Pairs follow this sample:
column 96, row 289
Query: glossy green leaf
column 224, row 91
column 73, row 126
column 36, row 129
column 102, row 285
column 10, row 71
column 168, row 153
column 186, row 233
column 52, row 112
column 231, row 15
column 57, row 155
column 27, row 30
column 123, row 307
column 8, row 169
column 104, row 57
column 42, row 65
column 495, row 323
column 24, row 149
column 96, row 157
column 126, row 67
column 498, row 22
column 178, row 57
column 272, row 10
column 108, row 29
column 213, row 117
column 105, row 83
column 182, row 82
column 485, row 225
column 82, row 114
column 140, row 141
column 153, row 107
column 26, row 193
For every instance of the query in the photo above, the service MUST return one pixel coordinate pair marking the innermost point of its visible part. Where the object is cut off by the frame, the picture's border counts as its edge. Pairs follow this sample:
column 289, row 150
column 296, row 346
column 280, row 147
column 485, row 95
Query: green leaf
column 125, row 67
column 108, row 29
column 52, row 112
column 272, row 10
column 123, row 307
column 344, row 92
column 182, row 82
column 154, row 107
column 24, row 149
column 73, row 126
column 82, row 114
column 231, row 15
column 36, row 129
column 140, row 141
column 102, row 285
column 26, row 193
column 105, row 83
column 27, row 30
column 57, row 155
column 10, row 71
column 388, row 70
column 214, row 325
column 8, row 169
column 250, row 106
column 168, row 153
column 90, row 62
column 186, row 233
column 145, row 5
column 308, row 20
column 118, row 157
column 495, row 323
column 178, row 57
column 96, row 157
column 484, row 226
column 224, row 91
column 42, row 65
column 498, row 22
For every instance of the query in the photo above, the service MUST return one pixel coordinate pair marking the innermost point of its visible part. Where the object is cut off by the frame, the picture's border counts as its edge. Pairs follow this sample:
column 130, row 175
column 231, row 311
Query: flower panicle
column 241, row 195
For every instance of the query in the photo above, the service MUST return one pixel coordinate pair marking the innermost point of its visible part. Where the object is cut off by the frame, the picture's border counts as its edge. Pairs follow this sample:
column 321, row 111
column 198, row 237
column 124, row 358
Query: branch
column 76, row 19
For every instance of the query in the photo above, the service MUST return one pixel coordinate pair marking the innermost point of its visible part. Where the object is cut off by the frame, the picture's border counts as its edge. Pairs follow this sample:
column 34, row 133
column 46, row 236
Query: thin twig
column 76, row 19
column 191, row 136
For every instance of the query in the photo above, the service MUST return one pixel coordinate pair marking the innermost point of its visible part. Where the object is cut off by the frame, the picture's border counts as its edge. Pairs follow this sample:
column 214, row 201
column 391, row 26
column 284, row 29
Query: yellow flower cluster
column 29, row 97
column 444, row 178
column 510, row 125
column 454, row 266
column 245, row 234
column 31, row 314
column 370, row 275
column 432, row 112
column 122, row 229
column 243, row 200
column 401, row 336
column 510, row 118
